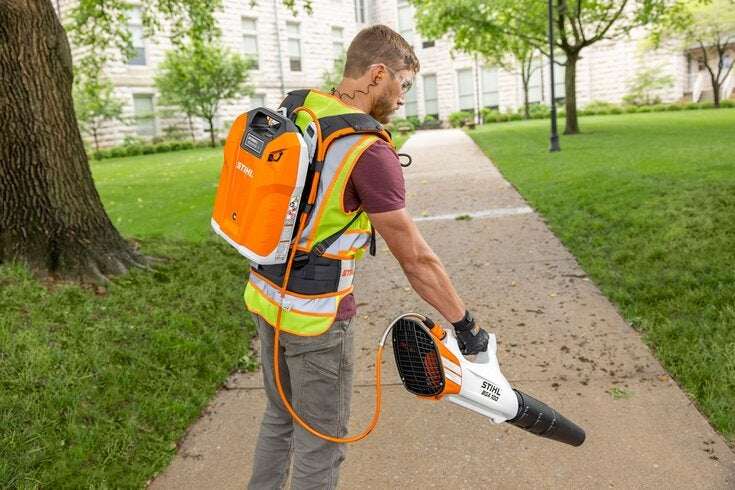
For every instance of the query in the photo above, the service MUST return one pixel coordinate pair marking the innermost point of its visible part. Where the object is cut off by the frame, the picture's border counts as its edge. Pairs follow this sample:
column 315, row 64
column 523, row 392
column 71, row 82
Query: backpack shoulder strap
column 294, row 99
column 343, row 124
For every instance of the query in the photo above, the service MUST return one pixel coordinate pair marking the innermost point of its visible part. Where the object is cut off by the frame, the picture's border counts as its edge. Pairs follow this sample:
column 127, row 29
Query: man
column 316, row 359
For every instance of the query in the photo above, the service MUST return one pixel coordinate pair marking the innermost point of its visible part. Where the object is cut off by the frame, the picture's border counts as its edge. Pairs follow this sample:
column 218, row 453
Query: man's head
column 381, row 63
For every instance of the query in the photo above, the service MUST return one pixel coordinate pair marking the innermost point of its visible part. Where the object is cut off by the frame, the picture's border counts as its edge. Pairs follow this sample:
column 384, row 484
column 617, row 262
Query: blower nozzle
column 538, row 418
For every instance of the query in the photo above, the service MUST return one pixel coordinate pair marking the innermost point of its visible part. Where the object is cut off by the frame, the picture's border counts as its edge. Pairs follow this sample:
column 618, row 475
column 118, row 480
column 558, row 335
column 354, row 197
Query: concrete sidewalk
column 559, row 338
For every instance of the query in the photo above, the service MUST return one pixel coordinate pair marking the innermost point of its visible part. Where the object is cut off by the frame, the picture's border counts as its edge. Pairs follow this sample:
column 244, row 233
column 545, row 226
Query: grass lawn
column 96, row 386
column 646, row 202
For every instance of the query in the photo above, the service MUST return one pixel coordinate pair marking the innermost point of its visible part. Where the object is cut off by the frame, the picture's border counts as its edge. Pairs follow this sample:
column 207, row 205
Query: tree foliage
column 577, row 25
column 95, row 103
column 644, row 87
column 199, row 77
column 707, row 30
column 331, row 78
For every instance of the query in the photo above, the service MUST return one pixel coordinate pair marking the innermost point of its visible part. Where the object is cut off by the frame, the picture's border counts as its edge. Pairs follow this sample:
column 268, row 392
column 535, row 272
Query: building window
column 135, row 24
column 465, row 89
column 257, row 100
column 534, row 82
column 427, row 44
column 145, row 120
column 250, row 41
column 490, row 87
column 294, row 45
column 431, row 100
column 412, row 103
column 338, row 45
column 360, row 11
column 405, row 21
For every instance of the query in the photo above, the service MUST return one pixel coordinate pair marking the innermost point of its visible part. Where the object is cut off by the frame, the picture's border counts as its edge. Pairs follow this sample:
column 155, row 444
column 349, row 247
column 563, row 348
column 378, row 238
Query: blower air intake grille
column 417, row 358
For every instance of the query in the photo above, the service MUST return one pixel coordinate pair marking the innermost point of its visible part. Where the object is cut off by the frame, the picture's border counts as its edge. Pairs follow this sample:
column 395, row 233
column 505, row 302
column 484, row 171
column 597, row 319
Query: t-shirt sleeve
column 376, row 181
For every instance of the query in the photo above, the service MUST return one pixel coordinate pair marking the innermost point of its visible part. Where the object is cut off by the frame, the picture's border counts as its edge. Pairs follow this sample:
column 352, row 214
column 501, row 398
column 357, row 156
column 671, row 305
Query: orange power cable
column 378, row 356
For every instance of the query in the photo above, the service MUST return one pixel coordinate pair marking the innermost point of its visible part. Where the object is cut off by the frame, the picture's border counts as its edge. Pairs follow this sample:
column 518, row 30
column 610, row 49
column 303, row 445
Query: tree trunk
column 715, row 89
column 191, row 129
column 96, row 140
column 211, row 131
column 52, row 217
column 526, row 108
column 570, row 94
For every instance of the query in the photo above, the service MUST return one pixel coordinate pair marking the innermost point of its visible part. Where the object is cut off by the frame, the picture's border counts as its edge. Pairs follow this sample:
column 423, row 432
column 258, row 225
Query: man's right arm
column 422, row 267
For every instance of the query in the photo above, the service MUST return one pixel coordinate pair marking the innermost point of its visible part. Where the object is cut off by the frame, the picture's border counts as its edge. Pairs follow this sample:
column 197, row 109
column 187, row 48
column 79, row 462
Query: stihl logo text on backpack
column 244, row 169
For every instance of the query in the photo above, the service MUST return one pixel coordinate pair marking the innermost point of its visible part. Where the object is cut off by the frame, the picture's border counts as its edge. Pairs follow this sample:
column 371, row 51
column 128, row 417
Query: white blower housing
column 431, row 365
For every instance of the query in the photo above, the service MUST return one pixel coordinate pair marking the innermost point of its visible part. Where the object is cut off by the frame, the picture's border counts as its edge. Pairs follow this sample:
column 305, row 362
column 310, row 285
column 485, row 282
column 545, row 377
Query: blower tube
column 538, row 418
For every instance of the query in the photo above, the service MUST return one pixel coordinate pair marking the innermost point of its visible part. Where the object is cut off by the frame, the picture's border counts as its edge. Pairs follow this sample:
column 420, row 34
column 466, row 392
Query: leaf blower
column 431, row 366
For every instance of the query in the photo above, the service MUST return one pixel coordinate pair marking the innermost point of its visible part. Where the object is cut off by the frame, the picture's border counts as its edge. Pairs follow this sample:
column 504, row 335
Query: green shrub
column 148, row 149
column 132, row 140
column 643, row 87
column 673, row 107
column 561, row 113
column 727, row 103
column 515, row 117
column 616, row 110
column 403, row 122
column 598, row 107
column 414, row 120
column 133, row 150
column 431, row 122
column 186, row 145
column 490, row 115
column 539, row 111
column 459, row 119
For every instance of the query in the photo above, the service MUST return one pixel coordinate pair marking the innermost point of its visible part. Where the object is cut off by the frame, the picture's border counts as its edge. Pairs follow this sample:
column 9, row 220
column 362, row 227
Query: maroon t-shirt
column 376, row 184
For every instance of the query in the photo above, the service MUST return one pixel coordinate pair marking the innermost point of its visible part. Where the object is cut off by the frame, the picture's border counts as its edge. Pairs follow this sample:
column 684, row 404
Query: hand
column 472, row 341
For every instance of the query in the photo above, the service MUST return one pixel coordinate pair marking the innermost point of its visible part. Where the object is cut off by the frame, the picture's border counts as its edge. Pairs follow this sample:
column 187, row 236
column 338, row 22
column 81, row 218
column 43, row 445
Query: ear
column 377, row 72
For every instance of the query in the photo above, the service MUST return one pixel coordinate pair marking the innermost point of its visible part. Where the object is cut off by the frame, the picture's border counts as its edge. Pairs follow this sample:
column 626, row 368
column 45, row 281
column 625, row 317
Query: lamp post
column 554, row 138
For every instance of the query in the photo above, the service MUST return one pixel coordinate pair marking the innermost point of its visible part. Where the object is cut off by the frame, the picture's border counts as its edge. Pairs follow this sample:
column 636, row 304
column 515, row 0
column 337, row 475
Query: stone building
column 294, row 51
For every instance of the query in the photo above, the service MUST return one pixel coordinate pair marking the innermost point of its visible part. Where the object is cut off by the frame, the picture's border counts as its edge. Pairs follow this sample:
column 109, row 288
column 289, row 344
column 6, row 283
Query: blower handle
column 538, row 418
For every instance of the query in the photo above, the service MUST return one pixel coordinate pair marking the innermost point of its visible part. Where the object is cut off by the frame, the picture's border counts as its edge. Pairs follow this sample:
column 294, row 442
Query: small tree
column 199, row 77
column 643, row 88
column 709, row 28
column 94, row 103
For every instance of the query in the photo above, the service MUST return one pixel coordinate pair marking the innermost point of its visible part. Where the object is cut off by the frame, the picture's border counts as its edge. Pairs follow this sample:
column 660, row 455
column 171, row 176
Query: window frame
column 135, row 23
column 470, row 94
column 253, row 33
column 483, row 73
column 435, row 99
column 297, row 37
column 145, row 117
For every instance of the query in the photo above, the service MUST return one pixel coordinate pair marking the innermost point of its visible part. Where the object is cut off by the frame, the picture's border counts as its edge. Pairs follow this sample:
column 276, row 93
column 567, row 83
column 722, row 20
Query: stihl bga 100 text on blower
column 431, row 366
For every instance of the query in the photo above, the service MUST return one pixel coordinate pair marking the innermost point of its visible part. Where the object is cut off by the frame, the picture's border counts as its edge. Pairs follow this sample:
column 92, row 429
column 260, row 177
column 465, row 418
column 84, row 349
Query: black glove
column 470, row 338
column 472, row 341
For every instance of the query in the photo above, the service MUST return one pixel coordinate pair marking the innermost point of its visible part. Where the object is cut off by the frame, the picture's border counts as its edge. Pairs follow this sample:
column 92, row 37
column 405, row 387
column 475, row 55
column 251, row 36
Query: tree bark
column 52, row 218
column 211, row 131
column 96, row 139
column 570, row 93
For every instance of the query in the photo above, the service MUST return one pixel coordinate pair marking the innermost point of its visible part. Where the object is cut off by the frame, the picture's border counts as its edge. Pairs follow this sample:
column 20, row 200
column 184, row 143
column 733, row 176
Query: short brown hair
column 379, row 44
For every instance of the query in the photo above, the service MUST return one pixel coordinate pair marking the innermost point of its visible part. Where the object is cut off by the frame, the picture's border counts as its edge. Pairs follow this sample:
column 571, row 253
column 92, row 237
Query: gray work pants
column 316, row 375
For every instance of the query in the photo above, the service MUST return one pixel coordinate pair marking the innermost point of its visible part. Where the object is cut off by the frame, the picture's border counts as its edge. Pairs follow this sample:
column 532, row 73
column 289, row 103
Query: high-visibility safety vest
column 334, row 238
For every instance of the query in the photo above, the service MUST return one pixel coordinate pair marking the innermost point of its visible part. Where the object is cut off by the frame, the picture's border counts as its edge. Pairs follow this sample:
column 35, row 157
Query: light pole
column 554, row 138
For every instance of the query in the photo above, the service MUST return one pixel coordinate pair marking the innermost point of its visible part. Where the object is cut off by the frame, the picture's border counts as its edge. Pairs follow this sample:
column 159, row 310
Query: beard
column 382, row 110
